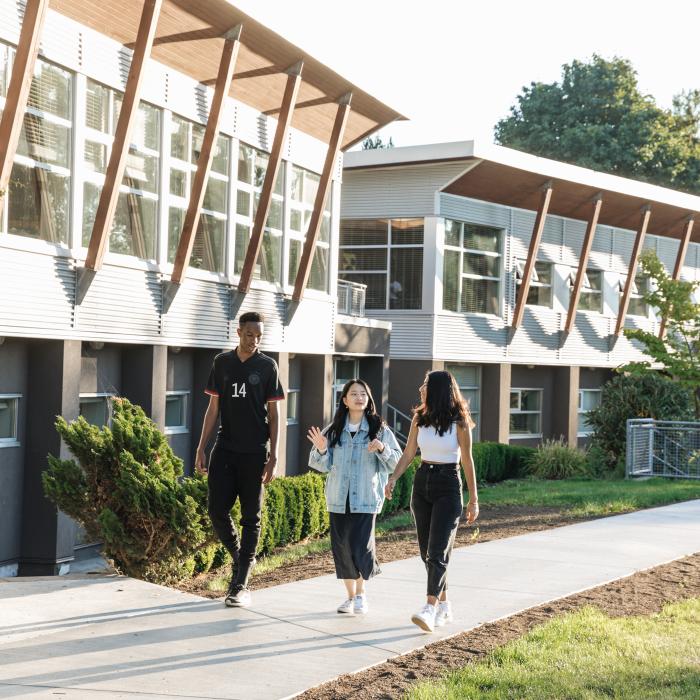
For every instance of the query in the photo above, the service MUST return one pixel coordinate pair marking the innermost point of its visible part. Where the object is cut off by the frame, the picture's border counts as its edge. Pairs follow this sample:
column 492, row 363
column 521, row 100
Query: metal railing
column 663, row 448
column 351, row 298
column 399, row 422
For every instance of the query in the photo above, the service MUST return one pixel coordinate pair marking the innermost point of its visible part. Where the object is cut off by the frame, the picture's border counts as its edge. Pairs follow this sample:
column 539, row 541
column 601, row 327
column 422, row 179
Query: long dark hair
column 374, row 420
column 444, row 403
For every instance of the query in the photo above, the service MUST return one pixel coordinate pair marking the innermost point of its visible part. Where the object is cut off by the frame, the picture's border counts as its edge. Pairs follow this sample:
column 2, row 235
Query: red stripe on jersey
column 211, row 393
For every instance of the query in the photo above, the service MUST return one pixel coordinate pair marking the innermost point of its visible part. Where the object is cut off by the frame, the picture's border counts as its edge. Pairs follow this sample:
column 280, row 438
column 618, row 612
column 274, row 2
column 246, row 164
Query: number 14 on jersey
column 238, row 390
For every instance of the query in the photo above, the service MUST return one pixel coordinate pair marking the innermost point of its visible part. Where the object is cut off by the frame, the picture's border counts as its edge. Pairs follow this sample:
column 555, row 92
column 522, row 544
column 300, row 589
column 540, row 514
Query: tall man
column 243, row 389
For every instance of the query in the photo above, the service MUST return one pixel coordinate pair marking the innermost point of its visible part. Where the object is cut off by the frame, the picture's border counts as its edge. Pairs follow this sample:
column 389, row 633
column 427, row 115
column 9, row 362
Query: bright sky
column 455, row 67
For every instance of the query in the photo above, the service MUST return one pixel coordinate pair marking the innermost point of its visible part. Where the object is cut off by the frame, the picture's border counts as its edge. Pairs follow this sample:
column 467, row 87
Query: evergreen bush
column 555, row 459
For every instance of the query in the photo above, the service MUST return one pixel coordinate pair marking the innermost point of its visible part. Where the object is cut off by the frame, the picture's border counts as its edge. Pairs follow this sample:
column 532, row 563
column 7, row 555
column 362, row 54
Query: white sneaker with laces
column 348, row 607
column 444, row 613
column 360, row 604
column 425, row 618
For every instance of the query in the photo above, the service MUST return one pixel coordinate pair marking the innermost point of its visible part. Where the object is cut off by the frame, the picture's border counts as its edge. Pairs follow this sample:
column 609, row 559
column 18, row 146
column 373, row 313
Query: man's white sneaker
column 443, row 614
column 348, row 607
column 360, row 604
column 238, row 597
column 425, row 618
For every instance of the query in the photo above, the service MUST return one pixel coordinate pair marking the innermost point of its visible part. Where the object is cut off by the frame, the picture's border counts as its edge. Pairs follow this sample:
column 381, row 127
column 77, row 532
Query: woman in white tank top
column 441, row 428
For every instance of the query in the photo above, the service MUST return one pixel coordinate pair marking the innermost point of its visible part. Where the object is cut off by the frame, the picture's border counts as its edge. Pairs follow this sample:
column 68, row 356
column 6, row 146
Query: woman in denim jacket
column 359, row 451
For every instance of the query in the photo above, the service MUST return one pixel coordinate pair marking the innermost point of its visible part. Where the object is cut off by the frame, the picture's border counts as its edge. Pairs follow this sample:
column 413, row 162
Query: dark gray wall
column 144, row 373
column 315, row 404
column 101, row 370
column 361, row 339
column 180, row 377
column 594, row 377
column 405, row 376
column 522, row 377
column 202, row 362
column 13, row 380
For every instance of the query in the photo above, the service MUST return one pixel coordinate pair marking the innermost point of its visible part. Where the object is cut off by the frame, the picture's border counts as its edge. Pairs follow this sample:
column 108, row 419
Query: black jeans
column 235, row 475
column 436, row 504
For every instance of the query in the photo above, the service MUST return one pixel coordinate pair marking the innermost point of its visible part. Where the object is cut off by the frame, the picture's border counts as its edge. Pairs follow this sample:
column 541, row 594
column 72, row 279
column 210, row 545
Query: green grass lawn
column 586, row 655
column 589, row 497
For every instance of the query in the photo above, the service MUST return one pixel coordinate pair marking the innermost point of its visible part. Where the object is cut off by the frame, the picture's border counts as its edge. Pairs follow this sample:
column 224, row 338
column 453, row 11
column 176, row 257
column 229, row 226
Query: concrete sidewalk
column 114, row 637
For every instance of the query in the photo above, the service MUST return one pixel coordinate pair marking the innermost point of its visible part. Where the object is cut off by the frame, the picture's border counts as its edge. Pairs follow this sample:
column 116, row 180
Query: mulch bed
column 493, row 523
column 643, row 593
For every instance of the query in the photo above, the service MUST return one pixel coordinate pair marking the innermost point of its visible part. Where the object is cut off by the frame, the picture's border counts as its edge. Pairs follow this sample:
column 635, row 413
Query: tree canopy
column 597, row 117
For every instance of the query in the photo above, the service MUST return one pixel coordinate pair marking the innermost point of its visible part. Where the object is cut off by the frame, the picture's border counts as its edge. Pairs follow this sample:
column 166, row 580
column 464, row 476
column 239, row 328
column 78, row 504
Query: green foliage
column 556, row 459
column 401, row 498
column 648, row 395
column 125, row 490
column 679, row 350
column 494, row 461
column 372, row 142
column 597, row 117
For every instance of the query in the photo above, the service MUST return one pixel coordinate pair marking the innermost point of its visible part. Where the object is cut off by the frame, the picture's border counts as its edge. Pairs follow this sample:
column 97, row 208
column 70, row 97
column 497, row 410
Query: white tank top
column 436, row 448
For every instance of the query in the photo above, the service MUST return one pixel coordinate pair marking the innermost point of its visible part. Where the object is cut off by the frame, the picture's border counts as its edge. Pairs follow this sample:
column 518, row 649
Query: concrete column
column 144, row 379
column 495, row 402
column 283, row 364
column 316, row 398
column 53, row 385
column 565, row 404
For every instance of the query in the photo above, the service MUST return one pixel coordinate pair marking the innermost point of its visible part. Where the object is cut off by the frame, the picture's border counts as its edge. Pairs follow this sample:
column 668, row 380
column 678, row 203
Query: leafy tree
column 597, row 117
column 370, row 143
column 678, row 352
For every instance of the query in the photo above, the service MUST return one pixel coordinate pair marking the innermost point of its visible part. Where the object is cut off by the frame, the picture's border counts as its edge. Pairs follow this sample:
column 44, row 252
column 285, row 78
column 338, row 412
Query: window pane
column 472, row 397
column 294, row 258
column 245, row 164
column 295, row 220
column 475, row 264
column 175, row 411
column 515, row 399
column 452, row 232
column 241, row 245
column 406, row 231
column 38, row 204
column 324, row 231
column 595, row 279
column 141, row 172
column 345, row 370
column 8, row 419
column 590, row 301
column 146, row 132
column 95, row 156
column 44, row 142
column 525, row 423
column 274, row 216
column 479, row 296
column 482, row 238
column 215, row 195
column 450, row 281
column 178, row 183
column 97, row 107
column 539, row 296
column 297, row 184
column 405, row 285
column 465, row 375
column 590, row 399
column 544, row 272
column 208, row 248
column 176, row 218
column 134, row 228
column 268, row 266
column 51, row 90
column 91, row 197
column 219, row 163
column 178, row 138
column 376, row 287
column 318, row 275
column 363, row 259
column 95, row 410
column 293, row 406
column 4, row 67
column 261, row 161
column 637, row 307
column 311, row 182
column 243, row 202
column 530, row 400
column 363, row 232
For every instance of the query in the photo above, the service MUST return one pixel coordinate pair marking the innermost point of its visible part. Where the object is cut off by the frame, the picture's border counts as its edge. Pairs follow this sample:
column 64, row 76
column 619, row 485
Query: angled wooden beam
column 122, row 136
column 632, row 271
column 307, row 255
column 273, row 166
column 227, row 65
column 532, row 254
column 583, row 262
column 680, row 259
column 18, row 89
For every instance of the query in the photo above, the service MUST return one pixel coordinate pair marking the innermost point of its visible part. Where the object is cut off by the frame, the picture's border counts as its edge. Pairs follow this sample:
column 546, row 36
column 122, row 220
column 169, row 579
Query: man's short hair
column 251, row 317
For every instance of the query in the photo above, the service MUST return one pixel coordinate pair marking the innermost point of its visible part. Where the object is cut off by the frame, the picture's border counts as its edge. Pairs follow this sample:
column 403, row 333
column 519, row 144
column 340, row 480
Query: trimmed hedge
column 496, row 462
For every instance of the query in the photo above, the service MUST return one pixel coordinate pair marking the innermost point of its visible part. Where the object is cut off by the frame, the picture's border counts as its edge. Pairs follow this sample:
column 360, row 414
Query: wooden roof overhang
column 190, row 39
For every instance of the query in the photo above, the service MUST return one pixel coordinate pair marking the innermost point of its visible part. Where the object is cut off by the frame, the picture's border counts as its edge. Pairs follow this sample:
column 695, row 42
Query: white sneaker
column 360, row 604
column 444, row 613
column 238, row 597
column 425, row 618
column 348, row 607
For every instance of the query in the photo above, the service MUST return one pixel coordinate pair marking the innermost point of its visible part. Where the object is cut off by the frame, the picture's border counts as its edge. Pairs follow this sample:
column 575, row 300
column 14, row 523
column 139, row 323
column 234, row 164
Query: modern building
column 165, row 165
column 515, row 272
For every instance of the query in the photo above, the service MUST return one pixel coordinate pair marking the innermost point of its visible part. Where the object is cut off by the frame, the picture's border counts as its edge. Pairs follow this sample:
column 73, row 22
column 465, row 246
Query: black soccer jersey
column 244, row 388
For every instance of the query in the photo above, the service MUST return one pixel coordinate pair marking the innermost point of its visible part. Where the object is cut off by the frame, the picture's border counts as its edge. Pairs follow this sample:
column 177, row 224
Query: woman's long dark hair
column 444, row 403
column 374, row 420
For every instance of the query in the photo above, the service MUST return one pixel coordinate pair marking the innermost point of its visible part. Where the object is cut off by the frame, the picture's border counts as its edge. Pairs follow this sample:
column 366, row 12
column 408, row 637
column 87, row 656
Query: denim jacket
column 352, row 469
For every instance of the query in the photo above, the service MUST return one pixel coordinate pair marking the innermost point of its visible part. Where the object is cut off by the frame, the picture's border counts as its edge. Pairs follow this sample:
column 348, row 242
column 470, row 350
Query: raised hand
column 317, row 438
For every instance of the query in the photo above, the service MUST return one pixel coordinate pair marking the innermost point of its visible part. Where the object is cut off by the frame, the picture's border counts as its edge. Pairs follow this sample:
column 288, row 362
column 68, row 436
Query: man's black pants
column 436, row 504
column 235, row 475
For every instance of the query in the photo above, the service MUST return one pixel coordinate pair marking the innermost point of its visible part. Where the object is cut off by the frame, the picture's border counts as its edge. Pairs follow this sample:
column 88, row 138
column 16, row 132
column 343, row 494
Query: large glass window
column 471, row 268
column 39, row 188
column 96, row 408
column 252, row 165
column 302, row 197
column 135, row 225
column 9, row 409
column 540, row 291
column 637, row 306
column 591, row 298
column 588, row 399
column 468, row 378
column 525, row 413
column 387, row 256
column 208, row 251
column 176, row 411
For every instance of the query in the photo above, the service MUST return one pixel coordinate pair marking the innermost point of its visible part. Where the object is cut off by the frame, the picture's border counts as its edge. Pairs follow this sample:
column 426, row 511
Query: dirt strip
column 643, row 593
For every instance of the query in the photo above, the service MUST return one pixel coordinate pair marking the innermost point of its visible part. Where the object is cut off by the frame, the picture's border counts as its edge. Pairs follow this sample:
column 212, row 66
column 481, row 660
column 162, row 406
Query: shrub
column 494, row 461
column 648, row 395
column 555, row 459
